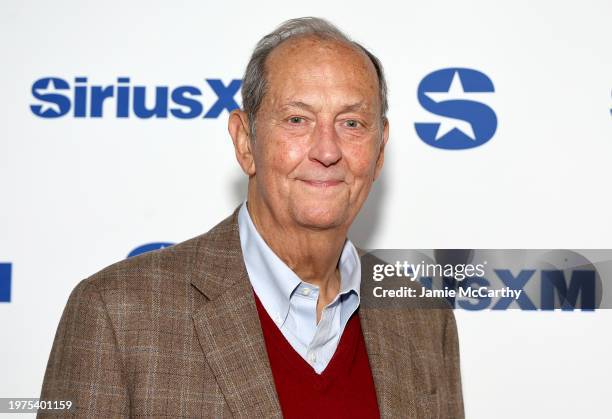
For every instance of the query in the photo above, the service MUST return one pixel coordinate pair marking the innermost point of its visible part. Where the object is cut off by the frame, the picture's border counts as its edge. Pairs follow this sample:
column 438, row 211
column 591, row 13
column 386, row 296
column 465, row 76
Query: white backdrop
column 78, row 194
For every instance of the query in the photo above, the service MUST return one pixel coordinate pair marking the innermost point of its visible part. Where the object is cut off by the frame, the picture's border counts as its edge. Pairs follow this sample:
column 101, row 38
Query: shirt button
column 306, row 291
column 312, row 358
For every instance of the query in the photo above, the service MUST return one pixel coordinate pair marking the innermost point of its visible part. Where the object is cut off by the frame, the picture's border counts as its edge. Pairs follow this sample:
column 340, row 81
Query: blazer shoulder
column 170, row 268
column 141, row 270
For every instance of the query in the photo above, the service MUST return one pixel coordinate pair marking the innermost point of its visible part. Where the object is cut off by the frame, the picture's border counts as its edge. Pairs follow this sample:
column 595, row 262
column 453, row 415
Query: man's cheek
column 364, row 151
column 290, row 154
column 362, row 163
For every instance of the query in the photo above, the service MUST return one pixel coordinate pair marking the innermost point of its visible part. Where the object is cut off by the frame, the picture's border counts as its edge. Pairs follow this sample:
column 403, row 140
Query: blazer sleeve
column 454, row 399
column 85, row 365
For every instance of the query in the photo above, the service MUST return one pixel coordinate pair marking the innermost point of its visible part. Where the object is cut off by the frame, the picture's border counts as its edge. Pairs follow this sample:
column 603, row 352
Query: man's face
column 319, row 136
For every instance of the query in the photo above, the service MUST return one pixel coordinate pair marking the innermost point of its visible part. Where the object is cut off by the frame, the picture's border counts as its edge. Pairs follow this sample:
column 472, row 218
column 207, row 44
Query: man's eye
column 296, row 119
column 351, row 123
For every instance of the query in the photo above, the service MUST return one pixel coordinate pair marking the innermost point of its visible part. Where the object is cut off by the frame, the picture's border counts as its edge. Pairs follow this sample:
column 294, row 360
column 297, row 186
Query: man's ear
column 238, row 127
column 381, row 153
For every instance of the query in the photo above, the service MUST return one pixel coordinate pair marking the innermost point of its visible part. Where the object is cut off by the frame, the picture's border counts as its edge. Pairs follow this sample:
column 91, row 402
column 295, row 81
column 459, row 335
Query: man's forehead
column 314, row 49
column 307, row 66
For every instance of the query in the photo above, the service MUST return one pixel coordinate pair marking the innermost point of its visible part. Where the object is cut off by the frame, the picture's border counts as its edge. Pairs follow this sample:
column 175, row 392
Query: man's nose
column 325, row 144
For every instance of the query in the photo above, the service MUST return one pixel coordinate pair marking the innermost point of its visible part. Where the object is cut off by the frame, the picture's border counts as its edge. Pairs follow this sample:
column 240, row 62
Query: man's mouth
column 322, row 183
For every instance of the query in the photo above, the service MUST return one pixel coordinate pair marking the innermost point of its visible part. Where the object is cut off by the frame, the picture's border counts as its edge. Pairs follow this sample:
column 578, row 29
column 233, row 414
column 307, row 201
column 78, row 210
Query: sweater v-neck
column 340, row 363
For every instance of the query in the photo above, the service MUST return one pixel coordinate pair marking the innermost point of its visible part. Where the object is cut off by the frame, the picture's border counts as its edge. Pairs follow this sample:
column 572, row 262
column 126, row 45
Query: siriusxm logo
column 454, row 94
column 57, row 98
column 5, row 282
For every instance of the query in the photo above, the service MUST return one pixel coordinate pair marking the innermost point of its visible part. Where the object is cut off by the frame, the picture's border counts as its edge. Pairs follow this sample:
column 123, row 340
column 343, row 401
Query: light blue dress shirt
column 292, row 303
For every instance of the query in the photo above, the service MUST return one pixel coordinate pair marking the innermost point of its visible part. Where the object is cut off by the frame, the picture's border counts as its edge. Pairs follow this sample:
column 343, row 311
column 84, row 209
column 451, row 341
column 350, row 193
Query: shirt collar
column 273, row 281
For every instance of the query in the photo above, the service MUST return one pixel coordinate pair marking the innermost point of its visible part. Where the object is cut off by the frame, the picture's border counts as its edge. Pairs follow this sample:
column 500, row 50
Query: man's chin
column 321, row 218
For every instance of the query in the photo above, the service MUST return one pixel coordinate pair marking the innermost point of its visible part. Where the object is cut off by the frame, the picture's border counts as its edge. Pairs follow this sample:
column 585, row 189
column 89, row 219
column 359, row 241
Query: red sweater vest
column 345, row 388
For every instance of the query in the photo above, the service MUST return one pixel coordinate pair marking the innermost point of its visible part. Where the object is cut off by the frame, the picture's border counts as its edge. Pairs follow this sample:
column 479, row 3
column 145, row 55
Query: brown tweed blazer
column 176, row 333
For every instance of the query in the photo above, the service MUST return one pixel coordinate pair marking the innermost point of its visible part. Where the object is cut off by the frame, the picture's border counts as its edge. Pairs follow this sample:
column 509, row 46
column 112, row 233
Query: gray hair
column 254, row 82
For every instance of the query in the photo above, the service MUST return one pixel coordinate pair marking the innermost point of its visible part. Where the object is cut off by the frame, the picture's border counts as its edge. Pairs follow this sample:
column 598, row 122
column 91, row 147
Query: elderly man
column 261, row 316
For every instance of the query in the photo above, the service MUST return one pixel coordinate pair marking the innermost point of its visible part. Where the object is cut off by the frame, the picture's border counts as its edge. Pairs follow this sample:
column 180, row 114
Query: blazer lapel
column 390, row 362
column 228, row 325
